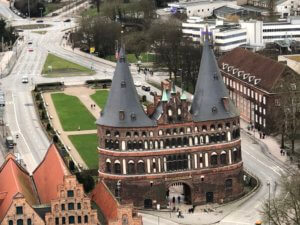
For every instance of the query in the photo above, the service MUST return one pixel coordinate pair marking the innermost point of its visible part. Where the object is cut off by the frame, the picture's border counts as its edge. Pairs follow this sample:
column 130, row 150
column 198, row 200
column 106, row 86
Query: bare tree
column 284, row 209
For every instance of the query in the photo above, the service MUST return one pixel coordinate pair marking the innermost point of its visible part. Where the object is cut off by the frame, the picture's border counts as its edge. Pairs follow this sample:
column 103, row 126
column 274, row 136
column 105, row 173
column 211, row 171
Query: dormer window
column 251, row 78
column 121, row 115
column 235, row 71
column 256, row 81
column 225, row 65
column 246, row 75
column 123, row 84
column 214, row 109
column 240, row 73
column 133, row 116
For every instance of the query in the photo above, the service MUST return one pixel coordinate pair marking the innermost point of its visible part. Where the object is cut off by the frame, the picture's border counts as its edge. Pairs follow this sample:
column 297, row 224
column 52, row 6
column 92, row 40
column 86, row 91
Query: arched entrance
column 148, row 203
column 209, row 197
column 179, row 193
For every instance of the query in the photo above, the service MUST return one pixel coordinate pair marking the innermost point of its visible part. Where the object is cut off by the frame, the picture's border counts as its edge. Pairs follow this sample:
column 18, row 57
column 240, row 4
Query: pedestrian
column 173, row 200
column 281, row 152
column 177, row 214
column 260, row 135
column 94, row 105
column 178, row 199
column 264, row 134
column 91, row 106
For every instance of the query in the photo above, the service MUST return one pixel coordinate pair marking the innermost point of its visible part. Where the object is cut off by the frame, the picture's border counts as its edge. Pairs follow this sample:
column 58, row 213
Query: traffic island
column 58, row 67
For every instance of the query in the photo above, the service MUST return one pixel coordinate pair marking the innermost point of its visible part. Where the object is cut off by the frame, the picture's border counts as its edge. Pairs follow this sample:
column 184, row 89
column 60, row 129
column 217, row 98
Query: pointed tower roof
column 211, row 98
column 164, row 97
column 123, row 108
column 183, row 96
column 49, row 174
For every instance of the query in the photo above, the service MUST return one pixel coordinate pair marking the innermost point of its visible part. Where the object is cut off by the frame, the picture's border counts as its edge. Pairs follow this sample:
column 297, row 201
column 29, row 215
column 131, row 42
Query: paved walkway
column 83, row 94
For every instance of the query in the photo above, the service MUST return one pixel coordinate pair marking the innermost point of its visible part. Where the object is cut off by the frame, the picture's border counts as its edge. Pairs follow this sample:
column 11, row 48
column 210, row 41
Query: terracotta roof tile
column 266, row 69
column 49, row 174
column 15, row 179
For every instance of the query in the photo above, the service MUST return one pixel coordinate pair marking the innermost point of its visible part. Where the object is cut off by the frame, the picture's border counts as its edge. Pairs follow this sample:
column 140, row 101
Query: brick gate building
column 141, row 155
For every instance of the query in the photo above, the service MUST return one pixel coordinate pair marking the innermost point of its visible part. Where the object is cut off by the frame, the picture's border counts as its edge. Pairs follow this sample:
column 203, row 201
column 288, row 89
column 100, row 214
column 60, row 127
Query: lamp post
column 269, row 187
column 41, row 8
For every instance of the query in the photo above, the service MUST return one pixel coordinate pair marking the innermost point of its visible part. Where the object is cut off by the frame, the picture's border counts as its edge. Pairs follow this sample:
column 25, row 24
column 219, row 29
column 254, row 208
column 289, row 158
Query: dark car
column 40, row 21
column 153, row 93
column 147, row 88
column 54, row 14
column 67, row 20
column 144, row 88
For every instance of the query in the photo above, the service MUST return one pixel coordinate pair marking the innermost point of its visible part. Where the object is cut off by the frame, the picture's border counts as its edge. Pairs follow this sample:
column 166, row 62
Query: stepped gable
column 14, row 179
column 266, row 69
column 49, row 174
column 211, row 98
column 123, row 108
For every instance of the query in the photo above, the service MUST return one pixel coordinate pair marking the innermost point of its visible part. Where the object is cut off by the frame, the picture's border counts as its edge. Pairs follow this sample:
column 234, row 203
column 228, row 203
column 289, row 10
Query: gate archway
column 179, row 193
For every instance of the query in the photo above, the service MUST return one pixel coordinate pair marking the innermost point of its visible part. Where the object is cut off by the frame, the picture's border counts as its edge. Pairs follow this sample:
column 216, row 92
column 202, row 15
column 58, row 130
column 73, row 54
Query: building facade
column 252, row 80
column 195, row 145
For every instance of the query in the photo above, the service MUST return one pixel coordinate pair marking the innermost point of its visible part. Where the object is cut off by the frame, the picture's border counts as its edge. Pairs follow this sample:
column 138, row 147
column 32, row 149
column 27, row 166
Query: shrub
column 71, row 165
column 55, row 138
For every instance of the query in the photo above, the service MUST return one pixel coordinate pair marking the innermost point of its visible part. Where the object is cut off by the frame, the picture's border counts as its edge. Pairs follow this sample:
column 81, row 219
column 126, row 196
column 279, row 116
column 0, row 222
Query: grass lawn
column 100, row 98
column 72, row 113
column 132, row 59
column 63, row 68
column 51, row 7
column 86, row 146
column 91, row 12
column 40, row 32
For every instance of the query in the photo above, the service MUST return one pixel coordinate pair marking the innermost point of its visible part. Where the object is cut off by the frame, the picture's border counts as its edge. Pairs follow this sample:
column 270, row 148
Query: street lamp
column 269, row 186
column 41, row 8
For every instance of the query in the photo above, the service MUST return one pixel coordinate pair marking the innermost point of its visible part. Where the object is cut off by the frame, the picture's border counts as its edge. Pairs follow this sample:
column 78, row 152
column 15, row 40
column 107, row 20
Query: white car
column 25, row 79
column 137, row 83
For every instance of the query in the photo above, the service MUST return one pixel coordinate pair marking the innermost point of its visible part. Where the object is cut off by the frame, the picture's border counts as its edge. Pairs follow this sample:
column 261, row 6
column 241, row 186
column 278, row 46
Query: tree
column 7, row 34
column 35, row 7
column 285, row 116
column 284, row 208
column 136, row 43
column 71, row 165
column 179, row 55
column 88, row 183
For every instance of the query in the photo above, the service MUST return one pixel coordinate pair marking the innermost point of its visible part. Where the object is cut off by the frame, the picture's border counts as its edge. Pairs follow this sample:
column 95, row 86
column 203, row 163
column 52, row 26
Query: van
column 9, row 142
column 25, row 79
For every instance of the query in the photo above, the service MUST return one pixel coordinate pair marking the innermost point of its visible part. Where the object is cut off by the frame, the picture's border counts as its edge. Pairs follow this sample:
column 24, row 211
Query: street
column 32, row 143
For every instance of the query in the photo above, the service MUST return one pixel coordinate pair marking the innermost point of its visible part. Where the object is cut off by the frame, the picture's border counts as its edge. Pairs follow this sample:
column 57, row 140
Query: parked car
column 30, row 50
column 147, row 88
column 137, row 83
column 54, row 14
column 67, row 20
column 144, row 88
column 25, row 79
column 153, row 93
column 40, row 21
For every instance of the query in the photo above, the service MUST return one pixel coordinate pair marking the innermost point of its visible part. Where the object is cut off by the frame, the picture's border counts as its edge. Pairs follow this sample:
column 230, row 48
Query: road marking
column 270, row 167
column 19, row 130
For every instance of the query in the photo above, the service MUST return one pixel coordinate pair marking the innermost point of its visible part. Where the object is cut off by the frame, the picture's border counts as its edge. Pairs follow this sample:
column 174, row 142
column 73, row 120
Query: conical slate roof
column 123, row 108
column 211, row 98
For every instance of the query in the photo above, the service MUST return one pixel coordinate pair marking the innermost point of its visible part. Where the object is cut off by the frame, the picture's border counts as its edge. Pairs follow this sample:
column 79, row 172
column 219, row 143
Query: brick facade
column 205, row 156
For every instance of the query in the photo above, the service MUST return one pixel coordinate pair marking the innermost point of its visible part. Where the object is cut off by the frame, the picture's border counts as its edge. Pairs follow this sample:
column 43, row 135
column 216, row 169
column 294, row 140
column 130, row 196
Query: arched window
column 144, row 134
column 218, row 137
column 160, row 132
column 223, row 158
column 212, row 127
column 228, row 184
column 181, row 130
column 227, row 125
column 108, row 166
column 204, row 128
column 116, row 145
column 151, row 133
column 107, row 133
column 71, row 220
column 174, row 143
column 129, row 145
column 10, row 222
column 135, row 145
column 29, row 222
column 188, row 130
column 196, row 129
column 223, row 136
column 117, row 134
column 170, row 113
column 179, row 142
column 141, row 167
column 128, row 134
column 168, row 132
column 213, row 159
column 179, row 111
column 131, row 167
column 86, row 219
column 168, row 143
column 19, row 222
column 220, row 126
column 141, row 145
column 117, row 167
column 174, row 131
column 185, row 141
column 235, row 155
column 136, row 134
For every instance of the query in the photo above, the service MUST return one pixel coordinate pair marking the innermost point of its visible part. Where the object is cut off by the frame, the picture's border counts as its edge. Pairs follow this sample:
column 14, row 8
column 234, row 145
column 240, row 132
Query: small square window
column 78, row 206
column 63, row 220
column 63, row 207
column 19, row 210
column 71, row 206
column 70, row 193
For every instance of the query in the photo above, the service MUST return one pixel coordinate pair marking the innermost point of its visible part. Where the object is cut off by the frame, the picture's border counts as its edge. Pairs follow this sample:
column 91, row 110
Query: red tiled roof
column 15, row 179
column 102, row 196
column 266, row 69
column 49, row 174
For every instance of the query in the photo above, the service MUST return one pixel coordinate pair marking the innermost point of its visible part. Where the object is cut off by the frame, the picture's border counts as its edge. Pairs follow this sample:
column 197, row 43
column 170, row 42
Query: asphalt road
column 33, row 143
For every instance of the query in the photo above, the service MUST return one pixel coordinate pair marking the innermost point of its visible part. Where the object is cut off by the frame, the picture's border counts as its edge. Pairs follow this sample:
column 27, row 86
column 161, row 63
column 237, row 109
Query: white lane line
column 264, row 164
column 19, row 130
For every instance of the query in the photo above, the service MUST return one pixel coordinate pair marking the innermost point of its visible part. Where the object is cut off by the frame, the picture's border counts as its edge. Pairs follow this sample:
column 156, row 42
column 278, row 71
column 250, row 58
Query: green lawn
column 100, row 98
column 72, row 113
column 51, row 7
column 62, row 68
column 132, row 59
column 86, row 146
column 91, row 12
